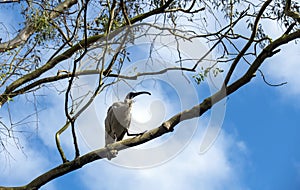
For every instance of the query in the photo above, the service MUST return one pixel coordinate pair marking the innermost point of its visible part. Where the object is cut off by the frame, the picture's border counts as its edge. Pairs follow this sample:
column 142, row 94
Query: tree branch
column 92, row 72
column 151, row 13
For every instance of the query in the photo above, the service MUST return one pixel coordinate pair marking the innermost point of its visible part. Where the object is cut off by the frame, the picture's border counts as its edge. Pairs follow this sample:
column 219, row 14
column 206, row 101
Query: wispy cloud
column 285, row 67
column 22, row 165
column 211, row 171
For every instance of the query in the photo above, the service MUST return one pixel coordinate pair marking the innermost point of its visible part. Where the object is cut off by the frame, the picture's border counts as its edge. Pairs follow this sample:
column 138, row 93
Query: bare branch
column 72, row 120
column 93, row 72
column 189, row 10
column 246, row 47
column 151, row 13
column 124, row 12
column 268, row 83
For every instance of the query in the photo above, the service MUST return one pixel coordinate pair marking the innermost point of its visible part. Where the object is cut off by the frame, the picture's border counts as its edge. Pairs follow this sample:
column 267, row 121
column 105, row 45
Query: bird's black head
column 131, row 95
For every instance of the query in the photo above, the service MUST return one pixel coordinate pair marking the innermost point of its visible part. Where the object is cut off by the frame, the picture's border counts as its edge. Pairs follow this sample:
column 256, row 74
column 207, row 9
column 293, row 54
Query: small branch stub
column 168, row 126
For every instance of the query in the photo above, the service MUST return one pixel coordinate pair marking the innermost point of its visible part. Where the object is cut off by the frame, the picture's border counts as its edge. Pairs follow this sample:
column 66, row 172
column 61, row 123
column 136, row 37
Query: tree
column 60, row 42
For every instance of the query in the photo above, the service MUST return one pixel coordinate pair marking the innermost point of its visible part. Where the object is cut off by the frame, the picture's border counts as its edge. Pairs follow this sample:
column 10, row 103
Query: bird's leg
column 134, row 134
column 112, row 153
column 115, row 137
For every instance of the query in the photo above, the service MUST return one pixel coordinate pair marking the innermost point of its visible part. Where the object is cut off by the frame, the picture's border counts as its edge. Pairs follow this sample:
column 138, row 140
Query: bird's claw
column 143, row 132
column 112, row 154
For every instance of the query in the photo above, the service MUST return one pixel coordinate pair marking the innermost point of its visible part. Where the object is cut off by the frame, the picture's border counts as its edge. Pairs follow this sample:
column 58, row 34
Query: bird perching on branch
column 118, row 120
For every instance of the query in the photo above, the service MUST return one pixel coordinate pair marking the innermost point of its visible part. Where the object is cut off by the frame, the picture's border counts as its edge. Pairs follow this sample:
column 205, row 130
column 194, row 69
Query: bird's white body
column 118, row 121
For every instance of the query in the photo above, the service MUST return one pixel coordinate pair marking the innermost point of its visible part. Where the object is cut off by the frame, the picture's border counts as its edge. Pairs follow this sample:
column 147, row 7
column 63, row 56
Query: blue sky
column 256, row 149
column 269, row 125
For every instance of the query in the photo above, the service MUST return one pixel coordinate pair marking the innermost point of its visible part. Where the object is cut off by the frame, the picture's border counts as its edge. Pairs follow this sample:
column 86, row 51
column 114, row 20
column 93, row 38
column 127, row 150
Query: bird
column 118, row 120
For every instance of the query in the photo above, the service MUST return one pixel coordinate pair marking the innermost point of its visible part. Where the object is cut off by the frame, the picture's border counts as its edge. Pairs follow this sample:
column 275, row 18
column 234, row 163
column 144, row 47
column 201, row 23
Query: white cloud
column 285, row 67
column 52, row 119
column 36, row 155
column 22, row 166
column 210, row 171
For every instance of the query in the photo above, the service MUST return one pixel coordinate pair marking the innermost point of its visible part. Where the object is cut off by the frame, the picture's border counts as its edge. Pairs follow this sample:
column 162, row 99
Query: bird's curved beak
column 134, row 94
